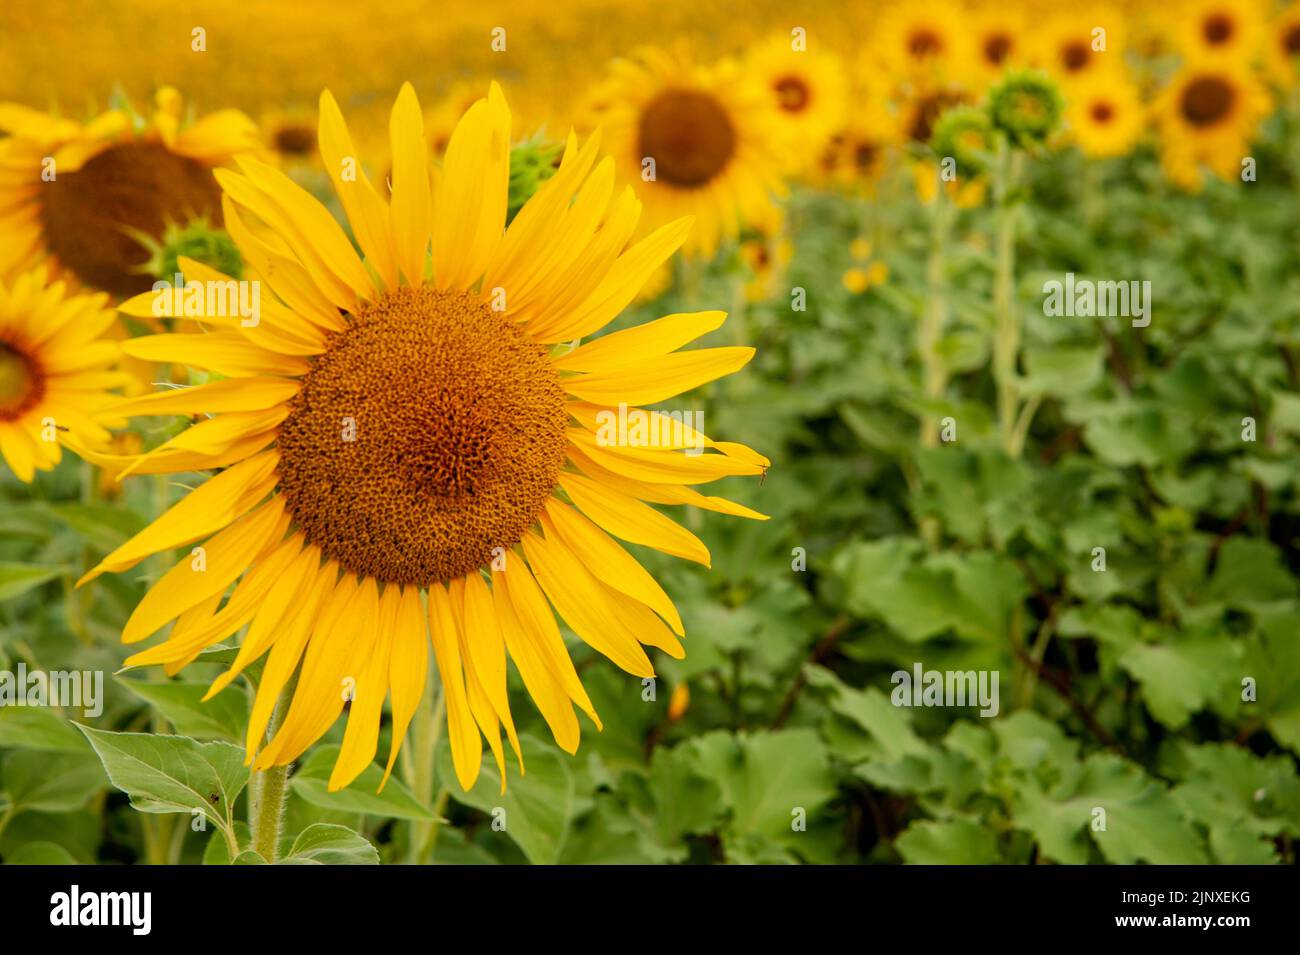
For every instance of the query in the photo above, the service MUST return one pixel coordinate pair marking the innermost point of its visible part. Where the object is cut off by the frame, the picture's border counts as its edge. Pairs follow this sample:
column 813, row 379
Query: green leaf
column 954, row 842
column 785, row 777
column 104, row 526
column 16, row 579
column 172, row 773
column 538, row 808
column 325, row 844
column 41, row 853
column 311, row 782
column 225, row 716
column 38, row 727
column 1142, row 823
column 50, row 782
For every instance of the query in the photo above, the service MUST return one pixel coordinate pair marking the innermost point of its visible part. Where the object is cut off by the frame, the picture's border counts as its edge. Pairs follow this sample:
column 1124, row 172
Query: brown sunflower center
column 1103, row 112
column 1207, row 100
column 792, row 94
column 996, row 48
column 429, row 434
column 927, row 112
column 88, row 215
column 1291, row 40
column 689, row 136
column 1217, row 29
column 864, row 154
column 1074, row 56
column 923, row 44
column 21, row 383
column 295, row 139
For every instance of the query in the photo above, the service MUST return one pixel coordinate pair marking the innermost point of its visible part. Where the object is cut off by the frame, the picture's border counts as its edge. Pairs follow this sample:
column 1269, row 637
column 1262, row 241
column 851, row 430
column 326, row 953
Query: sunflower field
column 814, row 432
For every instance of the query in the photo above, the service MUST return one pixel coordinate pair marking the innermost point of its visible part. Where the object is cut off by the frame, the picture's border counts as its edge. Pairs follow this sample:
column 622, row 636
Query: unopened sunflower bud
column 679, row 702
column 1027, row 106
column 531, row 164
column 198, row 240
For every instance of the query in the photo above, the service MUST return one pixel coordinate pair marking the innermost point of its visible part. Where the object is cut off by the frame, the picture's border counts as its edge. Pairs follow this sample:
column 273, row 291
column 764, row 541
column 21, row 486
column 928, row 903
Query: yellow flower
column 1105, row 114
column 1225, row 30
column 767, row 258
column 922, row 41
column 407, row 456
column 78, row 195
column 55, row 371
column 679, row 702
column 808, row 90
column 855, row 280
column 997, row 37
column 694, row 140
column 1208, row 115
column 1074, row 45
column 1282, row 46
column 290, row 136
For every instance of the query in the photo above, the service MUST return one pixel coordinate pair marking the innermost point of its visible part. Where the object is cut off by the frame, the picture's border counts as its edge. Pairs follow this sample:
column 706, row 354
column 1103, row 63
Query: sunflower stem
column 426, row 727
column 1006, row 334
column 269, row 788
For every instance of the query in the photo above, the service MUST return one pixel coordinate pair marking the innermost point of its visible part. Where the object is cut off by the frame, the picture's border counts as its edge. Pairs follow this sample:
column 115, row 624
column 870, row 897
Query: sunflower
column 1283, row 46
column 808, row 90
column 406, row 452
column 696, row 140
column 1230, row 30
column 290, row 135
column 997, row 41
column 55, row 371
column 1208, row 115
column 1105, row 114
column 82, row 195
column 767, row 257
column 1073, row 46
column 921, row 41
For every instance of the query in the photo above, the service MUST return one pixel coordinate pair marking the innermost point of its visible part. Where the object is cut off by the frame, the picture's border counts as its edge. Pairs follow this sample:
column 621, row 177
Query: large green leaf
column 172, row 773
column 311, row 782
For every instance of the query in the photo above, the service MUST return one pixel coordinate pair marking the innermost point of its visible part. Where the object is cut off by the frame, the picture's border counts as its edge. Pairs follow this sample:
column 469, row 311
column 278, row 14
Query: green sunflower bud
column 531, row 163
column 198, row 240
column 964, row 133
column 1027, row 106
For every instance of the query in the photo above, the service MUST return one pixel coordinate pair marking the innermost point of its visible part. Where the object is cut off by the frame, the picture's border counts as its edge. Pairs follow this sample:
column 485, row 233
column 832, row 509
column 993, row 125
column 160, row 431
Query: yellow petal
column 658, row 378
column 627, row 518
column 630, row 347
column 224, row 498
column 462, row 732
column 411, row 204
column 408, row 667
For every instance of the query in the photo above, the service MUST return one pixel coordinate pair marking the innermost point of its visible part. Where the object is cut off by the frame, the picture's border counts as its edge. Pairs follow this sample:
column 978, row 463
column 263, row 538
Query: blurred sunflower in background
column 997, row 36
column 81, row 196
column 1230, row 30
column 1105, row 114
column 920, row 41
column 1208, row 115
column 1282, row 46
column 809, row 91
column 1072, row 46
column 396, row 426
column 696, row 140
column 56, row 371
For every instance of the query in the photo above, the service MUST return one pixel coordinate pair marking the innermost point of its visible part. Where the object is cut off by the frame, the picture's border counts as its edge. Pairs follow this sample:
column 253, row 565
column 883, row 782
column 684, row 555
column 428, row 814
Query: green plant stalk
column 934, row 317
column 1007, row 324
column 268, row 789
column 426, row 729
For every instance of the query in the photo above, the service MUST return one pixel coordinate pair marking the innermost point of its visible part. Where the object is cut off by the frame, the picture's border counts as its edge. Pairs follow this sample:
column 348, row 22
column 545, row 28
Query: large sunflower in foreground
column 407, row 455
column 55, row 371
column 698, row 141
column 82, row 196
column 1208, row 115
